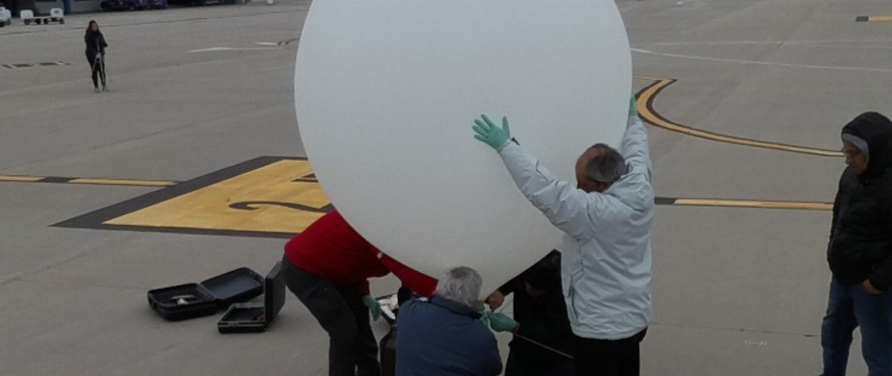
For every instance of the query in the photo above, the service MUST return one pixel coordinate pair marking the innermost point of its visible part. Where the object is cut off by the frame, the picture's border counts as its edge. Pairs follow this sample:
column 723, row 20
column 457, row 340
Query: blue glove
column 501, row 322
column 490, row 133
column 374, row 306
column 633, row 107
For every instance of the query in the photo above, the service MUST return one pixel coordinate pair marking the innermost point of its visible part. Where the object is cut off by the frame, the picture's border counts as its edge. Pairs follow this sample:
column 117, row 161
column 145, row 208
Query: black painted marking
column 287, row 41
column 665, row 201
column 253, row 205
column 31, row 65
column 862, row 19
column 55, row 179
column 95, row 220
column 71, row 180
column 311, row 178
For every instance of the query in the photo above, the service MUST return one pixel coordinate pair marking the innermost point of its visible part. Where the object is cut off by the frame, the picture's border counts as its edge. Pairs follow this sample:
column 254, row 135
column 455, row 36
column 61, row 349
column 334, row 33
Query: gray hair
column 606, row 167
column 461, row 285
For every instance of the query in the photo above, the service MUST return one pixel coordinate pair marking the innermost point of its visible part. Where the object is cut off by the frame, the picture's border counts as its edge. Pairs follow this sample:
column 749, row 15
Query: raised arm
column 635, row 149
column 571, row 210
column 568, row 208
column 416, row 281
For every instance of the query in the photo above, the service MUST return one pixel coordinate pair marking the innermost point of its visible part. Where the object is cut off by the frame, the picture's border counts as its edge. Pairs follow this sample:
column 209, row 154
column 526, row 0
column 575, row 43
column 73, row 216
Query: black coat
column 95, row 43
column 861, row 233
column 543, row 319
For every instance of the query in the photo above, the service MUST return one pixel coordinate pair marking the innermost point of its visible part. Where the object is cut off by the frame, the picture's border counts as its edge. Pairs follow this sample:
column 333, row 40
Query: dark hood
column 876, row 129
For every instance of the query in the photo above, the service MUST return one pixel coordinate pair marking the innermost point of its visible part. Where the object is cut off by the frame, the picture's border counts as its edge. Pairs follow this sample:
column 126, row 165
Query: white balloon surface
column 386, row 92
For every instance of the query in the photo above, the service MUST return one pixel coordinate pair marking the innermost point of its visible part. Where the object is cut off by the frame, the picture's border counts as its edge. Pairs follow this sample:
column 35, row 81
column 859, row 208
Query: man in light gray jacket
column 606, row 219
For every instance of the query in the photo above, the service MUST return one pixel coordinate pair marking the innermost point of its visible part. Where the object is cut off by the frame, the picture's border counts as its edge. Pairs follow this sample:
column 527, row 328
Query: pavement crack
column 79, row 285
column 734, row 329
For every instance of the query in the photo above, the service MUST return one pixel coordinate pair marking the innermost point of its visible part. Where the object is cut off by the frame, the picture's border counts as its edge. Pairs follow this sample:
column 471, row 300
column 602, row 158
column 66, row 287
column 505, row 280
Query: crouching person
column 443, row 335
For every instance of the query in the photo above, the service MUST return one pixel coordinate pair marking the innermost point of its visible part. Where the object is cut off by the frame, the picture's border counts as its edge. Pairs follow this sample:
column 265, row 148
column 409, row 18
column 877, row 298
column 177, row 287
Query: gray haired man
column 443, row 335
column 606, row 219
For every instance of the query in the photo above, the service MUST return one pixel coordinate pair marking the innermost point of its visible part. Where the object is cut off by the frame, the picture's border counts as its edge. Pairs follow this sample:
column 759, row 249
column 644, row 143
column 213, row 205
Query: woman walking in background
column 96, row 54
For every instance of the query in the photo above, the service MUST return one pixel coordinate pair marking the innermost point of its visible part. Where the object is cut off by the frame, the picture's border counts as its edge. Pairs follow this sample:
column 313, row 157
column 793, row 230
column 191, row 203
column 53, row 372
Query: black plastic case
column 255, row 317
column 193, row 300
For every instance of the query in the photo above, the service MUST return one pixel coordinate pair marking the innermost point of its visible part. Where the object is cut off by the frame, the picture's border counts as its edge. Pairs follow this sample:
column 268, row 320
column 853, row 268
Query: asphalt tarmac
column 105, row 196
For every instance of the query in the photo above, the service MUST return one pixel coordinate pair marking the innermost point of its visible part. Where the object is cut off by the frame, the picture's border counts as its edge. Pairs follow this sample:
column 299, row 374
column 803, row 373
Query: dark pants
column 519, row 366
column 97, row 64
column 352, row 348
column 848, row 308
column 596, row 357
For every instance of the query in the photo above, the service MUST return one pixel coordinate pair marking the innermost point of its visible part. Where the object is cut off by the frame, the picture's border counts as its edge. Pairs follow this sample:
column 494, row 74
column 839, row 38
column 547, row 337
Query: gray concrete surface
column 736, row 292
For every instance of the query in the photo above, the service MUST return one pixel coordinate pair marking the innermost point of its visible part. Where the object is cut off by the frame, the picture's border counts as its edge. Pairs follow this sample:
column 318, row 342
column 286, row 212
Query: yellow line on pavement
column 646, row 111
column 129, row 182
column 755, row 204
column 874, row 19
column 91, row 181
column 18, row 178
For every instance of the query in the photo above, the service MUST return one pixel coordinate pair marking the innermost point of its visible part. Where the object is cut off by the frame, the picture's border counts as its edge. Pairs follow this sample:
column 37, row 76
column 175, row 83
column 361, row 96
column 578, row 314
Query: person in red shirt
column 327, row 267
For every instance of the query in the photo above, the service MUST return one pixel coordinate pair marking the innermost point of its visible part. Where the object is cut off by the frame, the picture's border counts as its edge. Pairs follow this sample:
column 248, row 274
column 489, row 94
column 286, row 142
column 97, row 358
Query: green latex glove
column 633, row 107
column 374, row 306
column 501, row 322
column 484, row 318
column 490, row 133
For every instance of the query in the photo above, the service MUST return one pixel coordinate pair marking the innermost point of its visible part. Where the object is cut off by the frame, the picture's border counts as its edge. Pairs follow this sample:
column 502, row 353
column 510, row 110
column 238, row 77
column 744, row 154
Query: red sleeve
column 416, row 281
column 362, row 288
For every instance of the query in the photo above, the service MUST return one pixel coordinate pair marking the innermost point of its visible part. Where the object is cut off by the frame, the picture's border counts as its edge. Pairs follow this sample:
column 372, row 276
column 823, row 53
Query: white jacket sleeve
column 635, row 148
column 571, row 210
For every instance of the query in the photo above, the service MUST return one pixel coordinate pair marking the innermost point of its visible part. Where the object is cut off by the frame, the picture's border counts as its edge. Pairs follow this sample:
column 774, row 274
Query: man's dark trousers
column 517, row 366
column 352, row 347
column 597, row 357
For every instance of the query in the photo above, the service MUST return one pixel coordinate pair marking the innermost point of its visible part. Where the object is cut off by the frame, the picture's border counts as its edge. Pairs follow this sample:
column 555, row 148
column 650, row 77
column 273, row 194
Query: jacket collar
column 455, row 307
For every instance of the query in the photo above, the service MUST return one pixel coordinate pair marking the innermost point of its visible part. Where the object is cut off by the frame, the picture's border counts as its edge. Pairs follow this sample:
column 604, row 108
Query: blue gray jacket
column 606, row 263
column 439, row 337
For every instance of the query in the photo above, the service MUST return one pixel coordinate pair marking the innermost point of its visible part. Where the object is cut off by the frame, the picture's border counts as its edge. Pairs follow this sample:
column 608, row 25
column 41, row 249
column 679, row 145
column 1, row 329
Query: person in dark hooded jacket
column 860, row 250
column 95, row 52
column 543, row 339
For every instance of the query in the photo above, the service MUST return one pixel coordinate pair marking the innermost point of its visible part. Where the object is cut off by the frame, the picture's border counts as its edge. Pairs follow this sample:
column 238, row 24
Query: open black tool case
column 254, row 317
column 193, row 300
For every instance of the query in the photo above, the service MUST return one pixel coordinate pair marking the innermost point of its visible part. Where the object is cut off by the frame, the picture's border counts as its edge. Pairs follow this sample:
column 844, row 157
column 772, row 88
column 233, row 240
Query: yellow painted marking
column 755, row 204
column 645, row 112
column 209, row 207
column 879, row 18
column 133, row 182
column 17, row 178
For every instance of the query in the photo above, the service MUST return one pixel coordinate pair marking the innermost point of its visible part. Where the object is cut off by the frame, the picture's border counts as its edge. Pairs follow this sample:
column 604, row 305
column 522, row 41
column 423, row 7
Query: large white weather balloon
column 386, row 93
